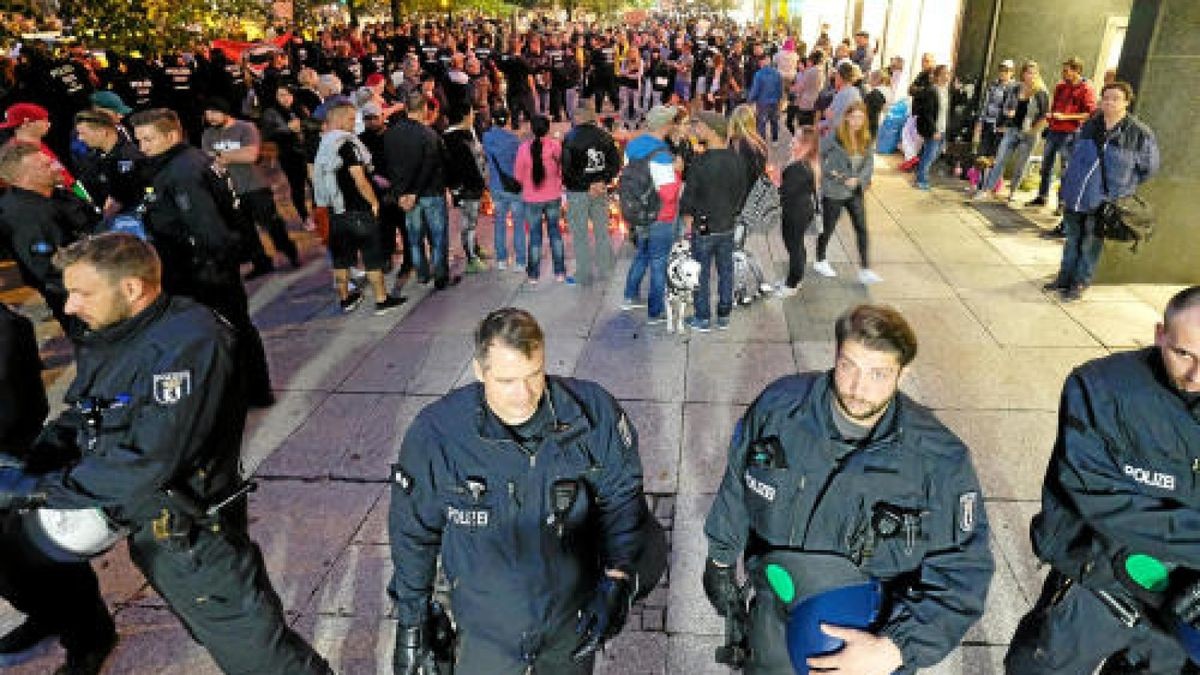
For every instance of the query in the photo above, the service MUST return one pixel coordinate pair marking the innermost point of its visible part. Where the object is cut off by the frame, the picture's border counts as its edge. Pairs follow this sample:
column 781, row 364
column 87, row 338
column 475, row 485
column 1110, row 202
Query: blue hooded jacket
column 499, row 147
column 1130, row 158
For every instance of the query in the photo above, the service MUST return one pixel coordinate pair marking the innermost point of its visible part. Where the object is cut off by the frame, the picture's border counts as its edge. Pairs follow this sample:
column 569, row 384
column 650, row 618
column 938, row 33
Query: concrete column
column 1165, row 70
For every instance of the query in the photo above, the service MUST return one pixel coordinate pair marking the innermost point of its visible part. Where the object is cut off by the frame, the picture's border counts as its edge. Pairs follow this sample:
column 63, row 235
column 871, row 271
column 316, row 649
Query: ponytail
column 540, row 127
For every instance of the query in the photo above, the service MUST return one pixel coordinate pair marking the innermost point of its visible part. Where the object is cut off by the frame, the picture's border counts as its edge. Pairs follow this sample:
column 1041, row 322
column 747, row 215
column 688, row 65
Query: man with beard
column 839, row 472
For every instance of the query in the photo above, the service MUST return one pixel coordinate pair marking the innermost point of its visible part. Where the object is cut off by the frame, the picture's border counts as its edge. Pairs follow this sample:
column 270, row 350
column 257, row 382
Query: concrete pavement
column 993, row 353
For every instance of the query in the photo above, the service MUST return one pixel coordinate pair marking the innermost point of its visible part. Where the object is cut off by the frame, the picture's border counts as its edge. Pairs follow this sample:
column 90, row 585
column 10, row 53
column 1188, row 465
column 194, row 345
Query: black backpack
column 637, row 194
column 238, row 225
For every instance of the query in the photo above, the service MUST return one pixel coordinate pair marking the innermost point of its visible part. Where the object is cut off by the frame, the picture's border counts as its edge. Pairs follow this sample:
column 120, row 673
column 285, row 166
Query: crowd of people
column 135, row 192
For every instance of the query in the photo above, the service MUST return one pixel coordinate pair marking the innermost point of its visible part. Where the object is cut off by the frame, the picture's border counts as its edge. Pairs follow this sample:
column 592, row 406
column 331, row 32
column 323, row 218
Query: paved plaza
column 993, row 354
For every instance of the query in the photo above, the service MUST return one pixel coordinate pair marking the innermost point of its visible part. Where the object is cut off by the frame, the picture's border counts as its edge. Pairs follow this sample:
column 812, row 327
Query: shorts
column 352, row 233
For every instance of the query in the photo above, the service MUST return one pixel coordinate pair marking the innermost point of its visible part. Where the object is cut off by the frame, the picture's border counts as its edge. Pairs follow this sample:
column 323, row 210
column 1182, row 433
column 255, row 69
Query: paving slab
column 314, row 359
column 722, row 372
column 1116, row 325
column 690, row 654
column 1028, row 324
column 688, row 610
column 1010, row 448
column 707, row 431
column 634, row 652
column 640, row 366
column 353, row 645
column 658, row 428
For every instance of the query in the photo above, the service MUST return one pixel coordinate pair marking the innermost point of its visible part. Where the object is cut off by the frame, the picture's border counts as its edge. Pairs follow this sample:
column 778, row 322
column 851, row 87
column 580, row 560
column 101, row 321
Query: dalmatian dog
column 683, row 276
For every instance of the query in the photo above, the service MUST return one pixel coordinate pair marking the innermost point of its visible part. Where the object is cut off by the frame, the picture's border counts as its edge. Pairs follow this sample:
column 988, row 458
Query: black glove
column 18, row 490
column 720, row 585
column 604, row 616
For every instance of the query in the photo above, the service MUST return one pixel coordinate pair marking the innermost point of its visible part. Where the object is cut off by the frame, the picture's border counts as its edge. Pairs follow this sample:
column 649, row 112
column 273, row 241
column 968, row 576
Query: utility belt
column 181, row 517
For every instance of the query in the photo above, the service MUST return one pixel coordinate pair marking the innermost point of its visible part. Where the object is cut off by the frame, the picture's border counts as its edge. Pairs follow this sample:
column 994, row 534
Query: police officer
column 843, row 463
column 36, row 219
column 112, row 171
column 155, row 419
column 188, row 214
column 530, row 487
column 1120, row 519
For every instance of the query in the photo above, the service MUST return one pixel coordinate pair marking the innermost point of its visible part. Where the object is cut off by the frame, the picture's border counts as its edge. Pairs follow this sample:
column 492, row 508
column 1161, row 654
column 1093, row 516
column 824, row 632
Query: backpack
column 637, row 193
column 761, row 211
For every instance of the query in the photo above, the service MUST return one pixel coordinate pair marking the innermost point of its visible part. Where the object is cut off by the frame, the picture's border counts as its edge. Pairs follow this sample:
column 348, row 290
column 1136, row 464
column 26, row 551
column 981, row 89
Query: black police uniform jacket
column 464, row 486
column 33, row 227
column 792, row 483
column 1125, row 472
column 184, row 219
column 171, row 414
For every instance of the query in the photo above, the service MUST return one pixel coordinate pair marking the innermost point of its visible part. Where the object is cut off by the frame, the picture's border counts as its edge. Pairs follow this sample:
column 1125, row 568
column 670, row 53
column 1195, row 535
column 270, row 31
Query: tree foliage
column 160, row 24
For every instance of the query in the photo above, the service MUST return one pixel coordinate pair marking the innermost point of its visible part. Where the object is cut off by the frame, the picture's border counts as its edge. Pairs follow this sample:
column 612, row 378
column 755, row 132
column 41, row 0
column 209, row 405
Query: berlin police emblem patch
column 171, row 388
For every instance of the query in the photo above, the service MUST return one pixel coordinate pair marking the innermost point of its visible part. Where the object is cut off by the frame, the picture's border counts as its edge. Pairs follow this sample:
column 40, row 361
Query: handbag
column 1127, row 218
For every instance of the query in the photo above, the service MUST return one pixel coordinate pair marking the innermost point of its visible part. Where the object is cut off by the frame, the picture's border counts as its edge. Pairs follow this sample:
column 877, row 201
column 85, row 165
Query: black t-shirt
column 516, row 70
column 351, row 198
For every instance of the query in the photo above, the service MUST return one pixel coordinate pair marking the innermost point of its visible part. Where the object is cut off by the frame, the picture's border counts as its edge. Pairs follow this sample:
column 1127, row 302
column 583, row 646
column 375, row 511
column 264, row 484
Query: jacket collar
column 121, row 330
column 568, row 420
column 817, row 413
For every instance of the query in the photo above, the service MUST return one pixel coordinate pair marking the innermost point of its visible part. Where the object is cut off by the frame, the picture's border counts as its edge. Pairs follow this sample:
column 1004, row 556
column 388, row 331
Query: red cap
column 374, row 79
column 20, row 113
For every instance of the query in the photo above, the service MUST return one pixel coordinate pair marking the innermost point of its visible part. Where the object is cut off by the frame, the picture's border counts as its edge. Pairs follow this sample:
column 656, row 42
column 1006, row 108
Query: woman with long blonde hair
column 847, row 163
column 745, row 140
column 798, row 200
column 1023, row 116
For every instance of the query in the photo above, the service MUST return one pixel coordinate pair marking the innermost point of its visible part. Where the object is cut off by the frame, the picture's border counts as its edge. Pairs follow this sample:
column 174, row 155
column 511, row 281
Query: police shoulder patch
column 171, row 388
column 966, row 511
column 401, row 478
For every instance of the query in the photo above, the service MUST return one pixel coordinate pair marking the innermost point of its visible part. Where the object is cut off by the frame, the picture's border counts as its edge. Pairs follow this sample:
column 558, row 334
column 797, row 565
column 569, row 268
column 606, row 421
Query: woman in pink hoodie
column 538, row 168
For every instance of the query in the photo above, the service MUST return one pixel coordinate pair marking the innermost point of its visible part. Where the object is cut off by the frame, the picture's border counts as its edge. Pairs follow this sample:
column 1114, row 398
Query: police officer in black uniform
column 843, row 463
column 1120, row 519
column 155, row 423
column 530, row 487
column 36, row 219
column 113, row 171
column 190, row 212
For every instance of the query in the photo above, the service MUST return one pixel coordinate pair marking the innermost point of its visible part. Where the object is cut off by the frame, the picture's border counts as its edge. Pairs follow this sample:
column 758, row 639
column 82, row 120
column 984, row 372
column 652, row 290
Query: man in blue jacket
column 1120, row 519
column 843, row 464
column 1130, row 154
column 530, row 488
column 765, row 92
column 500, row 154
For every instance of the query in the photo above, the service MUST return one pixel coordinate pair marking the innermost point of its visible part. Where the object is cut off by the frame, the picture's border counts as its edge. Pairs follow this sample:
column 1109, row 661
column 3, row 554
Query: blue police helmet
column 820, row 588
column 1189, row 638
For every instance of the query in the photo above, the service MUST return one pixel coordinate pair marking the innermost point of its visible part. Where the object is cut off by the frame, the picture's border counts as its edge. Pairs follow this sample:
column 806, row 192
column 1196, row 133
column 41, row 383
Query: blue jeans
column 652, row 252
column 929, row 154
column 1060, row 144
column 1017, row 144
column 552, row 210
column 706, row 248
column 1081, row 250
column 767, row 113
column 506, row 202
column 429, row 218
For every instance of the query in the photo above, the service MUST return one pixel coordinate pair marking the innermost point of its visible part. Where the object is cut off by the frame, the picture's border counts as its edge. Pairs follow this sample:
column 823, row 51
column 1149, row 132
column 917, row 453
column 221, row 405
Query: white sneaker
column 823, row 268
column 868, row 277
column 981, row 196
column 502, row 265
column 783, row 292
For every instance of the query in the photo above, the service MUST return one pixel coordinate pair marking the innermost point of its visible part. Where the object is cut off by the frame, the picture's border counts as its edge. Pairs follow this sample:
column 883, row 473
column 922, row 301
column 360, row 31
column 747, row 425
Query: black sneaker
column 25, row 642
column 1036, row 201
column 89, row 662
column 1056, row 233
column 351, row 302
column 1054, row 286
column 389, row 303
column 442, row 284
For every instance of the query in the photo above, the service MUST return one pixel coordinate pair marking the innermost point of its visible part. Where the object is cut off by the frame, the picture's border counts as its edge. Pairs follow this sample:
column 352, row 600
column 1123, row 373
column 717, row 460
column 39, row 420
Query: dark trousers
column 558, row 104
column 1070, row 631
column 607, row 89
column 794, row 227
column 989, row 139
column 220, row 591
column 219, row 288
column 797, row 118
column 297, row 176
column 476, row 655
column 518, row 102
column 707, row 249
column 260, row 207
column 391, row 222
column 831, row 210
column 1058, row 144
column 62, row 597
